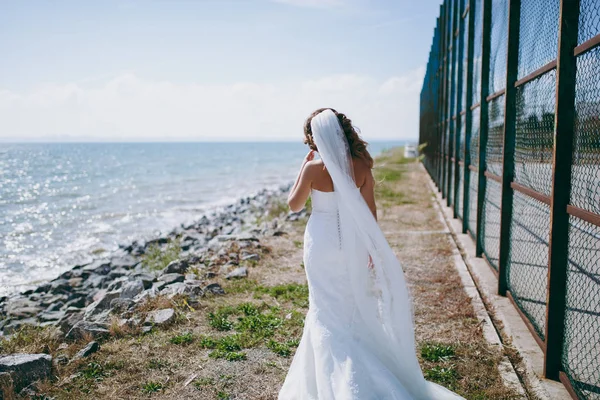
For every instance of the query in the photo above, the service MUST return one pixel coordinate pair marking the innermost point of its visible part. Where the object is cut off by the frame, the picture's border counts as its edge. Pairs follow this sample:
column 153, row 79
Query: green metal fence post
column 483, row 118
column 467, row 106
column 561, row 182
column 510, row 116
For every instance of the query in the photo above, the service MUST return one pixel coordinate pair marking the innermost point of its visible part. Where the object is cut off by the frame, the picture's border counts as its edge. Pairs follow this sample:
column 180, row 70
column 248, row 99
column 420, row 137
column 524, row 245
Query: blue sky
column 209, row 70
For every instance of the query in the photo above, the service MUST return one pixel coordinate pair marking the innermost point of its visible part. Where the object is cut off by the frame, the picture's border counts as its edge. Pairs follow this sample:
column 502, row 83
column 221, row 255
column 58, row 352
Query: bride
column 358, row 340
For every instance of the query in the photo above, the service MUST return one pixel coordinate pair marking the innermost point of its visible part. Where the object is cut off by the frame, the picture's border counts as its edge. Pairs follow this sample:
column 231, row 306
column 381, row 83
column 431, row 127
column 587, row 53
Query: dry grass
column 452, row 349
column 176, row 362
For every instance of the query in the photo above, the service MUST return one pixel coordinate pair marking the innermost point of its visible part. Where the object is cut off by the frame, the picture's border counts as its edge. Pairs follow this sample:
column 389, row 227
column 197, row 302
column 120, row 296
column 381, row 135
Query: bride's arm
column 301, row 190
column 368, row 192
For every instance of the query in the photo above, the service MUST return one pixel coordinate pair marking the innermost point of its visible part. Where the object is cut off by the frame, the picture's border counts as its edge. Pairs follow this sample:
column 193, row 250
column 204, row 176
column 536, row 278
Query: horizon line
column 182, row 141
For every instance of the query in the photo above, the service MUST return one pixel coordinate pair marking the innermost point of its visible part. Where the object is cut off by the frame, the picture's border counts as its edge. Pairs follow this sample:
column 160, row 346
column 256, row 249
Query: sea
column 63, row 203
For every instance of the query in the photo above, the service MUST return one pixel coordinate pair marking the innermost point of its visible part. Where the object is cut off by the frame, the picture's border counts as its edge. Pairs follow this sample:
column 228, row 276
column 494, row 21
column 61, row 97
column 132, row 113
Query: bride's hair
column 358, row 147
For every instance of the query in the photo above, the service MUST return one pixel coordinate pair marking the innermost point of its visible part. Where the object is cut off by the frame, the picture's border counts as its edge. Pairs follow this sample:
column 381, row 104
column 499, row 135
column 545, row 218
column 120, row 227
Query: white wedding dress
column 358, row 339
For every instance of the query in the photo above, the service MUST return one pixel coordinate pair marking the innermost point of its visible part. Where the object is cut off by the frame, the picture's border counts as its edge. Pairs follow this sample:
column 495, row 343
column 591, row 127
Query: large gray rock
column 86, row 328
column 101, row 267
column 176, row 267
column 171, row 278
column 251, row 257
column 88, row 350
column 147, row 279
column 25, row 369
column 51, row 316
column 126, row 262
column 132, row 289
column 15, row 325
column 22, row 308
column 100, row 305
column 240, row 272
column 214, row 288
column 121, row 305
column 70, row 321
column 192, row 288
column 160, row 317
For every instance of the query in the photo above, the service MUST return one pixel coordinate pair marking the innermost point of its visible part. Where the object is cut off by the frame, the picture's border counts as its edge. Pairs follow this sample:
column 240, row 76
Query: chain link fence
column 506, row 81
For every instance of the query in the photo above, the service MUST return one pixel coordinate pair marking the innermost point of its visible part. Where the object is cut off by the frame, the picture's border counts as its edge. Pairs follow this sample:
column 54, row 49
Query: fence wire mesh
column 581, row 349
column 585, row 190
column 477, row 43
column 490, row 225
column 446, row 93
column 473, row 184
column 461, row 192
column 589, row 20
column 534, row 142
column 474, row 145
column 495, row 140
column 539, row 19
column 499, row 31
column 528, row 260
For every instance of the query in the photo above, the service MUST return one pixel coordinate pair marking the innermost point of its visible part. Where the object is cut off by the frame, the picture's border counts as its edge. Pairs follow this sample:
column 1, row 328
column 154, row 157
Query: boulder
column 169, row 279
column 147, row 279
column 251, row 257
column 59, row 286
column 51, row 316
column 240, row 272
column 100, row 267
column 71, row 320
column 160, row 317
column 132, row 289
column 86, row 328
column 125, row 262
column 102, row 304
column 22, row 308
column 16, row 325
column 117, row 273
column 25, row 369
column 88, row 350
column 77, row 302
column 176, row 267
column 190, row 277
column 121, row 305
column 214, row 288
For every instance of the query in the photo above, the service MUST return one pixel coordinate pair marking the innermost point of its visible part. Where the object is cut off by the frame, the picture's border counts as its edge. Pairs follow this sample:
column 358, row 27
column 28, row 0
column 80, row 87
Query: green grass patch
column 228, row 355
column 93, row 371
column 152, row 387
column 446, row 376
column 204, row 381
column 221, row 395
column 207, row 342
column 182, row 339
column 282, row 349
column 293, row 292
column 157, row 363
column 220, row 318
column 437, row 352
column 157, row 258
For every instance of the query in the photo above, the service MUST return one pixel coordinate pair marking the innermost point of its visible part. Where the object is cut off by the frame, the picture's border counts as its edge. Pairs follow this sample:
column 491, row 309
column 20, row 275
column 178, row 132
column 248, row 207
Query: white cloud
column 132, row 109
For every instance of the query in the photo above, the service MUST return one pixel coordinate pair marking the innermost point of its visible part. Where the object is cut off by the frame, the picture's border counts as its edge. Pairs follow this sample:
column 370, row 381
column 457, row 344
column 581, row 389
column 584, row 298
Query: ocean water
column 60, row 204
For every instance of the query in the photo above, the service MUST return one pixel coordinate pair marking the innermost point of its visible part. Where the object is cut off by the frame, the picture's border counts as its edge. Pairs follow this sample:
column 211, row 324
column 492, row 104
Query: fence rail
column 510, row 123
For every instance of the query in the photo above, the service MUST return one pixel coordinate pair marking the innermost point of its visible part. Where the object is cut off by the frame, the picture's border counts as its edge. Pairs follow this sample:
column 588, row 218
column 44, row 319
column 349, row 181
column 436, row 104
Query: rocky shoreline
column 83, row 301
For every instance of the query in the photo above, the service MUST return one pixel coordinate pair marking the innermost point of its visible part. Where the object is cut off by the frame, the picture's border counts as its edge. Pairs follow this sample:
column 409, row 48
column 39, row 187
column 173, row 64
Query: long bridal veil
column 383, row 306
